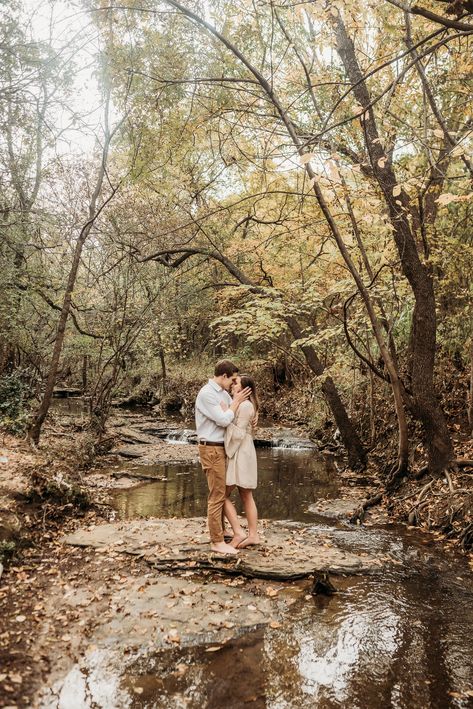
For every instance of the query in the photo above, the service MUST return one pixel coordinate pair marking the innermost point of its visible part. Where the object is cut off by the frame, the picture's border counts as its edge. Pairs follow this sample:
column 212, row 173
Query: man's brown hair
column 225, row 367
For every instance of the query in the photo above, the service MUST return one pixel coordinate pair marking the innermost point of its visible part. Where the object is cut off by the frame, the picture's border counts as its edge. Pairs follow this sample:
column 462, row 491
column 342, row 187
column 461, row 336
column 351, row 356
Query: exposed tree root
column 466, row 537
column 375, row 499
column 463, row 463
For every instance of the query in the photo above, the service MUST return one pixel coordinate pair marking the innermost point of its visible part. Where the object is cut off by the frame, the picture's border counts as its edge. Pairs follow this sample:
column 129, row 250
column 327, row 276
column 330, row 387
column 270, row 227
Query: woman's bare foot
column 249, row 542
column 223, row 548
column 238, row 539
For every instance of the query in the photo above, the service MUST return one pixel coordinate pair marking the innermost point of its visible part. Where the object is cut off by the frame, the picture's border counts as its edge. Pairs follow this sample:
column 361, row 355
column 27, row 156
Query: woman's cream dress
column 240, row 449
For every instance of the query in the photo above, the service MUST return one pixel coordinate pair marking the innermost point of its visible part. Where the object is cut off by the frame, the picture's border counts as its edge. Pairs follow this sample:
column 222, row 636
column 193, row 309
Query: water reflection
column 288, row 481
column 380, row 644
column 377, row 643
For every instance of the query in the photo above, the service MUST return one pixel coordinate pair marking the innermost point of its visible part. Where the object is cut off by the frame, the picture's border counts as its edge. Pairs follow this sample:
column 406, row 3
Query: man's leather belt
column 211, row 443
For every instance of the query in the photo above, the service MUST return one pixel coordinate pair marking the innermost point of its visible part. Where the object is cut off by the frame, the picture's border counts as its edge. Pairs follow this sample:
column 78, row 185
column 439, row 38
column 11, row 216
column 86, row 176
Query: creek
column 400, row 638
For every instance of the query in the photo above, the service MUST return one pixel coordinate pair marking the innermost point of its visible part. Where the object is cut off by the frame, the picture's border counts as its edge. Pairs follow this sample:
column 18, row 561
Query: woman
column 242, row 466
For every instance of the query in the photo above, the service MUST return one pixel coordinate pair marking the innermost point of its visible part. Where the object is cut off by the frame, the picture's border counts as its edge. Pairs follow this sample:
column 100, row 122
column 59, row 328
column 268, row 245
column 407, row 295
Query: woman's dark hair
column 247, row 381
column 225, row 367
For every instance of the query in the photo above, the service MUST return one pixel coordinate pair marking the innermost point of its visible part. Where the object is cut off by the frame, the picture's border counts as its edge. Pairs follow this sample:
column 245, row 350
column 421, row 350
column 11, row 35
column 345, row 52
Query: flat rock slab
column 336, row 509
column 133, row 451
column 130, row 435
column 177, row 611
column 288, row 551
column 148, row 615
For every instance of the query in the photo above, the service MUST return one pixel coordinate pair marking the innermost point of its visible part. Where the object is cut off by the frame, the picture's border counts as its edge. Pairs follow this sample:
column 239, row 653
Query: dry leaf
column 307, row 157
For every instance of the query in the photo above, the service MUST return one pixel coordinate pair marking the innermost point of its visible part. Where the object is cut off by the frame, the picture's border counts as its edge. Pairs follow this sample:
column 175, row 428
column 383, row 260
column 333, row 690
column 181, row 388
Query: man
column 211, row 421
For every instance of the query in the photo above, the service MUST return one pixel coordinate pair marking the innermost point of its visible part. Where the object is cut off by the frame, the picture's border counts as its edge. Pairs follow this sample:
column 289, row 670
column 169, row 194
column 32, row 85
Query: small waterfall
column 293, row 443
column 186, row 435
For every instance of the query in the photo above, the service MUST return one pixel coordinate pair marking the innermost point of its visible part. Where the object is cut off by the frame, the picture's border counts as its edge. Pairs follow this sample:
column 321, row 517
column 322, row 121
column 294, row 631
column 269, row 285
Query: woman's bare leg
column 231, row 514
column 251, row 513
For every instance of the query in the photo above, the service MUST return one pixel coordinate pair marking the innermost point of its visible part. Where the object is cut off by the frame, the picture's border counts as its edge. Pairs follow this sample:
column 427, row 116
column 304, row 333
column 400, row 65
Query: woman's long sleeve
column 235, row 432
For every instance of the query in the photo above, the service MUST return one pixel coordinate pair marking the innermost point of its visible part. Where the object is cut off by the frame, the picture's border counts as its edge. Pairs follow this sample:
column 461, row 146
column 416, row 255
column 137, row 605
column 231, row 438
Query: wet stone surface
column 288, row 550
column 336, row 508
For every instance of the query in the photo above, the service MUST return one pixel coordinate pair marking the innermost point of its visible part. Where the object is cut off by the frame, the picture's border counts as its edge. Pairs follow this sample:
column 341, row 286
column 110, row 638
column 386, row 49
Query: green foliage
column 13, row 396
column 7, row 550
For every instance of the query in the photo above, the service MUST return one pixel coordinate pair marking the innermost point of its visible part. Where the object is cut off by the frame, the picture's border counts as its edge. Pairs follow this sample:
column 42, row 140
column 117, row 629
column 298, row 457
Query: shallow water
column 400, row 639
column 377, row 643
column 288, row 481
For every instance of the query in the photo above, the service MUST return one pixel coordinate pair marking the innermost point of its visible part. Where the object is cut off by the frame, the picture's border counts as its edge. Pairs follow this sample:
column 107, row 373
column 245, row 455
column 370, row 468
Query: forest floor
column 53, row 595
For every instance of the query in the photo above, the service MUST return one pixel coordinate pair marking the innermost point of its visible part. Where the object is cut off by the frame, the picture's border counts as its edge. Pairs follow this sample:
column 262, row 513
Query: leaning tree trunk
column 357, row 457
column 34, row 432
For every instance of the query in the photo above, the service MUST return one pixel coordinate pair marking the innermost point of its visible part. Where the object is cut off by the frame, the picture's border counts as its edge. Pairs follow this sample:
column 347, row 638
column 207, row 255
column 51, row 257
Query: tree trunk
column 40, row 416
column 85, row 365
column 357, row 457
column 163, row 370
column 423, row 404
column 356, row 453
column 470, row 402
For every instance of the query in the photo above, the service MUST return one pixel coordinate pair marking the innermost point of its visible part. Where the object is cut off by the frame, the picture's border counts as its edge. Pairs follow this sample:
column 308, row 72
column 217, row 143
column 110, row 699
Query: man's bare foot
column 249, row 542
column 237, row 539
column 223, row 548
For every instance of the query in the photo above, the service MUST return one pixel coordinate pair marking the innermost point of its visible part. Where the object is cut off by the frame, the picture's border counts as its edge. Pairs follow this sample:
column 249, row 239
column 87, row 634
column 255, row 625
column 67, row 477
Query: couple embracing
column 226, row 411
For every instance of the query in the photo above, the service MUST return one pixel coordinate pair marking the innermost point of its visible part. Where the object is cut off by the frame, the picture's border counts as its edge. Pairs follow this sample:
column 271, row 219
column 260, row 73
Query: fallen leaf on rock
column 213, row 648
column 138, row 690
column 20, row 618
column 275, row 624
column 180, row 670
column 173, row 637
column 270, row 591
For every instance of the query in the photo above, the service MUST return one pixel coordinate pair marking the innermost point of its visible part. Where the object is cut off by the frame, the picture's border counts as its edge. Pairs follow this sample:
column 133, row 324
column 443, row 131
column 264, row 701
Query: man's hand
column 242, row 395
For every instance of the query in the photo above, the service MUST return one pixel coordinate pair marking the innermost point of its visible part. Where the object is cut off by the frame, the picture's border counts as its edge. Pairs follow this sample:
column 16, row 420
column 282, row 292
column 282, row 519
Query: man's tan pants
column 213, row 462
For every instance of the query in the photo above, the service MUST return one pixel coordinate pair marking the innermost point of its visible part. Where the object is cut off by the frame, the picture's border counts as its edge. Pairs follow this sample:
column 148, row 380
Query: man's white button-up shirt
column 210, row 419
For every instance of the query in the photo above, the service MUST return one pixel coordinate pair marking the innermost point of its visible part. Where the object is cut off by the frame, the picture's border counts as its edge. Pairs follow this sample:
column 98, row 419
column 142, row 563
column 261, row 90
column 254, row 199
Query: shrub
column 13, row 395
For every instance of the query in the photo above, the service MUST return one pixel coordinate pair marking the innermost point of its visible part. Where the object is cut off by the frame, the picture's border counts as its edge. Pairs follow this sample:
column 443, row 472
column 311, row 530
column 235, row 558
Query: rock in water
column 322, row 584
